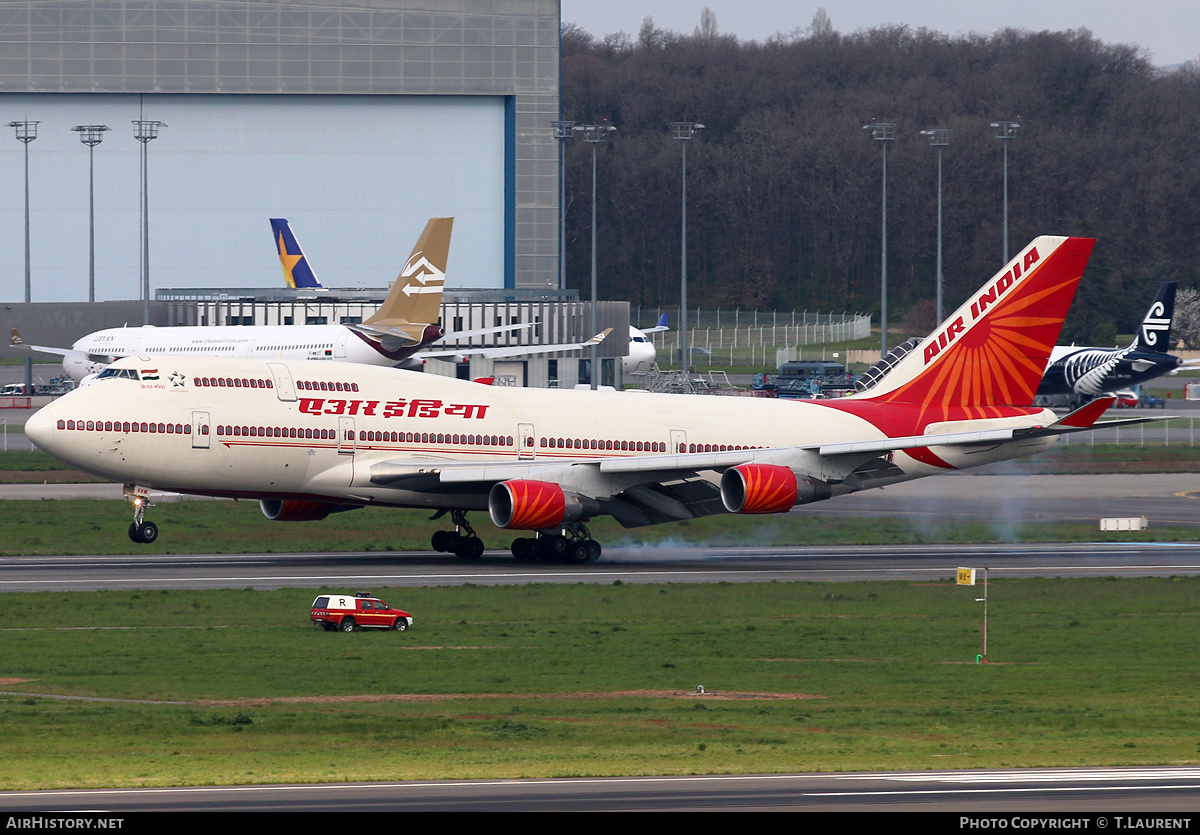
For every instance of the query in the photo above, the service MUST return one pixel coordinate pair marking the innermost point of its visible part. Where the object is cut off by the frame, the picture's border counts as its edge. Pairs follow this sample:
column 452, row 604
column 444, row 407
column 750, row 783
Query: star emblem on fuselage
column 177, row 379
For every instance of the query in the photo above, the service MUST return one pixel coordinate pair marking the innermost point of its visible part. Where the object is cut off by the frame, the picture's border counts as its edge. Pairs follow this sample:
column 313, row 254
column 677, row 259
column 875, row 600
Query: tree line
column 784, row 184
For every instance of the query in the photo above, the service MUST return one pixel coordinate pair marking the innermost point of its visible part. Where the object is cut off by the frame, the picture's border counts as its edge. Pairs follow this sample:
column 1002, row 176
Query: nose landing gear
column 141, row 530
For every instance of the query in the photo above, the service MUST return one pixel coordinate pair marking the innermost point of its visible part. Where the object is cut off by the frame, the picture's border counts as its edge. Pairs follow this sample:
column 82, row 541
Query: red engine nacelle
column 536, row 505
column 297, row 510
column 768, row 488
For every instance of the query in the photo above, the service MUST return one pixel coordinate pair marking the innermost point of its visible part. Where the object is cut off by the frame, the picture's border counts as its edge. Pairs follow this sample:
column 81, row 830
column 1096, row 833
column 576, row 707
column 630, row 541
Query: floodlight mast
column 883, row 133
column 91, row 135
column 563, row 133
column 26, row 132
column 596, row 135
column 684, row 132
column 145, row 130
column 939, row 138
column 1006, row 131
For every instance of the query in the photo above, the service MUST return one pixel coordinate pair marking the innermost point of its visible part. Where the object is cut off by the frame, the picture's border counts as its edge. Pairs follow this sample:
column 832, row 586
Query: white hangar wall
column 386, row 102
column 357, row 176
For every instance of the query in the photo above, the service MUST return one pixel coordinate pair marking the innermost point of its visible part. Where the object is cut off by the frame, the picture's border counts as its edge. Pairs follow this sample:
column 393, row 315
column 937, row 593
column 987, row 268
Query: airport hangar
column 356, row 120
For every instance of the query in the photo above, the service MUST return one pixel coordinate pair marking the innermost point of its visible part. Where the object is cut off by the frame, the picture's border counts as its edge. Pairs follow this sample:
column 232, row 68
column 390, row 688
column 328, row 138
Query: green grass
column 34, row 460
column 555, row 681
column 84, row 526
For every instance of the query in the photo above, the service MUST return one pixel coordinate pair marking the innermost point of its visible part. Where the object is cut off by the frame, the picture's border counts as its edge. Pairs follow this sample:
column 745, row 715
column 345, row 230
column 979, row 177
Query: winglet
column 15, row 340
column 662, row 321
column 416, row 297
column 598, row 338
column 1086, row 415
column 296, row 271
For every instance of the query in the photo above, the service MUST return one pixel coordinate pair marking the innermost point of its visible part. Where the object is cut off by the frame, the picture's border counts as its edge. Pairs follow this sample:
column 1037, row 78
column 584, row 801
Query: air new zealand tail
column 1089, row 372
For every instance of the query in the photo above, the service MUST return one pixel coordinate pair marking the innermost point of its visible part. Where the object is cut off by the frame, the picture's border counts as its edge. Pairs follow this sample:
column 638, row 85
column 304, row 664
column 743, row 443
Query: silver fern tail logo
column 1156, row 322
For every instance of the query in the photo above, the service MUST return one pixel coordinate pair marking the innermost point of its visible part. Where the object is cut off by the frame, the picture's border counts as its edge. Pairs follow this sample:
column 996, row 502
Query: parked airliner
column 404, row 328
column 310, row 438
column 1088, row 372
column 641, row 350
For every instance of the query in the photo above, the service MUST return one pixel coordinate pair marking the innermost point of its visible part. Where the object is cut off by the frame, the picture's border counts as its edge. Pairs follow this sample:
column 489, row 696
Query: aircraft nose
column 39, row 428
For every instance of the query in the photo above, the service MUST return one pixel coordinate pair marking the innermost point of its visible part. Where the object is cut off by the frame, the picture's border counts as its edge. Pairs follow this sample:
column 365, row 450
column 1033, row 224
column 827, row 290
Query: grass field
column 555, row 681
column 85, row 526
column 221, row 687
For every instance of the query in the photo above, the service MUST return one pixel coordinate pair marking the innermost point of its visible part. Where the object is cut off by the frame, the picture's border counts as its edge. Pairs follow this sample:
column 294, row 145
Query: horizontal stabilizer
column 1086, row 415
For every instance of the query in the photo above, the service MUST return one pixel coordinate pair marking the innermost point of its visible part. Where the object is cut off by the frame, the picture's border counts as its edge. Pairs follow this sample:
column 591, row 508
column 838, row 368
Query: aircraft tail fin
column 993, row 350
column 296, row 271
column 416, row 297
column 1154, row 335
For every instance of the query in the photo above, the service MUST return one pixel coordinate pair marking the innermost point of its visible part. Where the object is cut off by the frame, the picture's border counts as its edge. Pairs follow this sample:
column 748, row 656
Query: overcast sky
column 1167, row 28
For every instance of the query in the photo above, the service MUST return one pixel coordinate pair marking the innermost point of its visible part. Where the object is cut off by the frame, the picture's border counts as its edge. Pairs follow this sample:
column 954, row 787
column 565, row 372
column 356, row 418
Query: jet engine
column 536, row 505
column 299, row 510
column 768, row 488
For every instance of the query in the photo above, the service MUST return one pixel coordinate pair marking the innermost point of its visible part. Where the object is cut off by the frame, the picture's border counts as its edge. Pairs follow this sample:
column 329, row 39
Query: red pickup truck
column 348, row 612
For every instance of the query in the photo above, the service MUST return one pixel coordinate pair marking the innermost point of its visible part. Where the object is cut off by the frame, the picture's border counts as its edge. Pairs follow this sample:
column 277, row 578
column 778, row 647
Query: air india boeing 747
column 310, row 438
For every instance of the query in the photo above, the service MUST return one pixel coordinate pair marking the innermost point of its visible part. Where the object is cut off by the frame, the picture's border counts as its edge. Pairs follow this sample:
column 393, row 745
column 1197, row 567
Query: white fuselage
column 288, row 342
column 641, row 352
column 323, row 431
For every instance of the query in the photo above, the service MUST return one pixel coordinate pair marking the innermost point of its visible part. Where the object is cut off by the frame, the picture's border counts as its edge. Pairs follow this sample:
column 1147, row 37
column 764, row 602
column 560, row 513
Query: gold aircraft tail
column 416, row 297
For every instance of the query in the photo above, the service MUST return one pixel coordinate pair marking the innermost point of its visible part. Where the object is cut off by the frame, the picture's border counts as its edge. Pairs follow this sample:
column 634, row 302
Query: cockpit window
column 121, row 373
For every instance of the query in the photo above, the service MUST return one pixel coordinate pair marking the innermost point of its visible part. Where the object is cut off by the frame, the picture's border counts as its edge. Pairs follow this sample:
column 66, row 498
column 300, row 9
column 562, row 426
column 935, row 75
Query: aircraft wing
column 647, row 489
column 515, row 350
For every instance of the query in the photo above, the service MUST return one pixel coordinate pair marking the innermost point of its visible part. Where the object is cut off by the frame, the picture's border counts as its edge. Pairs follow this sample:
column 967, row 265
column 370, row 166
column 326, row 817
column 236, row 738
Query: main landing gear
column 573, row 544
column 462, row 541
column 141, row 530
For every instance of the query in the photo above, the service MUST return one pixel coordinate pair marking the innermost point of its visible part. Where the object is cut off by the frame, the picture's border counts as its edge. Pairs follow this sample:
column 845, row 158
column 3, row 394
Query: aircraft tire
column 554, row 547
column 593, row 550
column 469, row 548
column 134, row 533
column 147, row 533
column 524, row 549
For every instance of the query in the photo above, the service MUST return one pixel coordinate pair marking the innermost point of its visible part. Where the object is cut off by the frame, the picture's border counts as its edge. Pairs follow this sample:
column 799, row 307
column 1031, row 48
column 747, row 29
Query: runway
column 649, row 564
column 1004, row 502
column 1126, row 798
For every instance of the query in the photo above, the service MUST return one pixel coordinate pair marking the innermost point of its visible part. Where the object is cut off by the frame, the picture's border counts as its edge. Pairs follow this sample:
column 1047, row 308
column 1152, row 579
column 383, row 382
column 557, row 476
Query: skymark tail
column 296, row 271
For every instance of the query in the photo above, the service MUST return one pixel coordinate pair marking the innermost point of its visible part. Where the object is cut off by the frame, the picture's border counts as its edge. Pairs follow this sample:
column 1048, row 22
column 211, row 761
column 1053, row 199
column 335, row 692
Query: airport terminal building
column 355, row 119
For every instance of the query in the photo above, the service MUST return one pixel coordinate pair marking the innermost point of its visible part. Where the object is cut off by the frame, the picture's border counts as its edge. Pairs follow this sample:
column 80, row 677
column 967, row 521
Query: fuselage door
column 526, row 441
column 346, row 439
column 200, row 430
column 284, row 388
column 678, row 441
column 339, row 344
